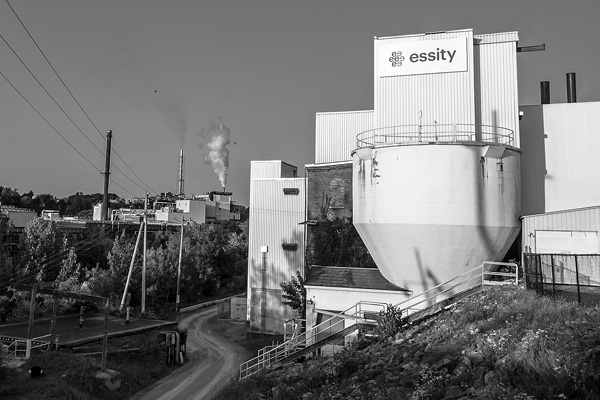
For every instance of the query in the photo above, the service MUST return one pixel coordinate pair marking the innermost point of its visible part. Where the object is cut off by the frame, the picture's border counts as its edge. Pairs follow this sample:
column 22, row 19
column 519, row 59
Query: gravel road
column 212, row 361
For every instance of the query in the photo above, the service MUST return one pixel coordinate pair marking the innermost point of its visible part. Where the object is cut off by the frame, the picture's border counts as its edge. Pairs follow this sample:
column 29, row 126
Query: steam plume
column 214, row 141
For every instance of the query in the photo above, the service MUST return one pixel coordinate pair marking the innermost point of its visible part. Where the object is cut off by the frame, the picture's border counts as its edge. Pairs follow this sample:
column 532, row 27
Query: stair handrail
column 456, row 281
column 281, row 351
column 277, row 353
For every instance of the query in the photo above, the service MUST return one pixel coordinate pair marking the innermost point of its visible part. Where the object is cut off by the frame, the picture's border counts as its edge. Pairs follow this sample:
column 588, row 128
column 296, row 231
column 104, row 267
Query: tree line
column 97, row 262
column 78, row 204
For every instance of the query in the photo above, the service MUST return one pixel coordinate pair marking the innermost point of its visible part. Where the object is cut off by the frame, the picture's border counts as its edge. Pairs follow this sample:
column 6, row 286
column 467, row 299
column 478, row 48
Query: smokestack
column 571, row 88
column 545, row 92
column 180, row 191
column 104, row 209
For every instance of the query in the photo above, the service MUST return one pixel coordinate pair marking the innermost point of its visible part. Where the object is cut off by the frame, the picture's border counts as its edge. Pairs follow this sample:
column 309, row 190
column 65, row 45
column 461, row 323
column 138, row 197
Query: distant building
column 215, row 206
column 19, row 217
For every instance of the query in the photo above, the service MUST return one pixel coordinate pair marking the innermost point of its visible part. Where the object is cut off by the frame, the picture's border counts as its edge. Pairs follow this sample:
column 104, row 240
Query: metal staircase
column 363, row 316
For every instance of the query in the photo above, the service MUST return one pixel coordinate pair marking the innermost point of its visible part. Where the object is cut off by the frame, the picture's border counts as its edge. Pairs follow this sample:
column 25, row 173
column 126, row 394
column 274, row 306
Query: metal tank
column 431, row 202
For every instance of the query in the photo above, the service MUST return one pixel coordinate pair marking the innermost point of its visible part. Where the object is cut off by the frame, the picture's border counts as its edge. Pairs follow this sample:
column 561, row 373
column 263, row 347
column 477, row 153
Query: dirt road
column 213, row 360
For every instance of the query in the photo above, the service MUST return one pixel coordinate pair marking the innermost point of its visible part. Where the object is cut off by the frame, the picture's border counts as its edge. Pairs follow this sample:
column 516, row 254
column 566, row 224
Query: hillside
column 505, row 343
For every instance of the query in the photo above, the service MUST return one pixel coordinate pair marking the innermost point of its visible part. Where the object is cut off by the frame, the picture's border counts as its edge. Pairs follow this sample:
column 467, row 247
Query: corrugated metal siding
column 443, row 97
column 265, row 169
column 496, row 92
column 572, row 144
column 274, row 219
column 533, row 161
column 497, row 37
column 581, row 220
column 336, row 134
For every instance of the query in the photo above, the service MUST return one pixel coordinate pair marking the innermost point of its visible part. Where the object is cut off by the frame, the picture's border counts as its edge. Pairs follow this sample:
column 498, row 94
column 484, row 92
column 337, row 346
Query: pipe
column 571, row 88
column 545, row 92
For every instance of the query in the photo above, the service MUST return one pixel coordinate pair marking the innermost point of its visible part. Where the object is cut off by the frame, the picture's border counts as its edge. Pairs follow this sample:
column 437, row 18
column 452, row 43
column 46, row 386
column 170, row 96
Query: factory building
column 275, row 241
column 441, row 171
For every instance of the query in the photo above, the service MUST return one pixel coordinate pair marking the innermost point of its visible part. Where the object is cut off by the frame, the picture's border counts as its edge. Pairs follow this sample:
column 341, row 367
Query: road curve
column 212, row 361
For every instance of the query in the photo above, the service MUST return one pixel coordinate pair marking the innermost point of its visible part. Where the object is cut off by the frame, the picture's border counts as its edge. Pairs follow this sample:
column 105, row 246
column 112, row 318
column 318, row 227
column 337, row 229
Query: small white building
column 275, row 241
column 19, row 217
column 332, row 290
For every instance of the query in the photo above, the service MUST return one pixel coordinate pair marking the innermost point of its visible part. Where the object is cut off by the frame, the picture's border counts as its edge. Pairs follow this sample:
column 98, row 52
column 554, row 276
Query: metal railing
column 437, row 133
column 485, row 274
column 361, row 311
column 17, row 346
column 365, row 311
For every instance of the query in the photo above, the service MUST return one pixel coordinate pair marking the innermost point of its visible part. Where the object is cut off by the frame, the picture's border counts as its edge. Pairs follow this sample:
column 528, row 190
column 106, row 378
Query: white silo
column 436, row 183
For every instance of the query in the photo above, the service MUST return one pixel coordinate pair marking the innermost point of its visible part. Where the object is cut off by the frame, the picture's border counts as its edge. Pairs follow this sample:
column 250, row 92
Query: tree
column 42, row 249
column 294, row 294
column 336, row 242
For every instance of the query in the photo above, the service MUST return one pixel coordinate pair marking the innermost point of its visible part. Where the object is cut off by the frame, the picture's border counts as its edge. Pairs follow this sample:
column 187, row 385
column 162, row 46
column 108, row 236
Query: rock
column 445, row 362
column 475, row 357
column 111, row 378
column 460, row 369
column 453, row 392
column 398, row 392
column 432, row 358
column 491, row 378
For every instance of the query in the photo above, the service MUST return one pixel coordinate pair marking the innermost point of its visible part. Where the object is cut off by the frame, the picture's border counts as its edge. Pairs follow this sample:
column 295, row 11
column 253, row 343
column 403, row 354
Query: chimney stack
column 545, row 92
column 571, row 88
column 180, row 191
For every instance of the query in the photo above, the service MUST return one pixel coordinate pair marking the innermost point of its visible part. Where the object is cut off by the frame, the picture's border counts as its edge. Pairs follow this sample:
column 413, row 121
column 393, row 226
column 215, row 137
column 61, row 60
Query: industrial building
column 438, row 176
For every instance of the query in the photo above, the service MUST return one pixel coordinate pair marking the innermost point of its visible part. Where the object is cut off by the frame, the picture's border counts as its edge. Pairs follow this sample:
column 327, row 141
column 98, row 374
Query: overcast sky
column 157, row 72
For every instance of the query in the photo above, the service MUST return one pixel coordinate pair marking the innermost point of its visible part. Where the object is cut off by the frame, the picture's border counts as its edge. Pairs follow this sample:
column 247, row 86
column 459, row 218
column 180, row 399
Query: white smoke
column 214, row 141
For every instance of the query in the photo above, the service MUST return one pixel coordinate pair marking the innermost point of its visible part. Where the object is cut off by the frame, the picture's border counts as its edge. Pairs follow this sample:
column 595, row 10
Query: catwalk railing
column 436, row 133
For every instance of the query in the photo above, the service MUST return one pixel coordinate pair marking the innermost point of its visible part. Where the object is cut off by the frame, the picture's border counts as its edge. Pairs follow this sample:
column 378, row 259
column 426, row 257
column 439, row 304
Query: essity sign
column 423, row 57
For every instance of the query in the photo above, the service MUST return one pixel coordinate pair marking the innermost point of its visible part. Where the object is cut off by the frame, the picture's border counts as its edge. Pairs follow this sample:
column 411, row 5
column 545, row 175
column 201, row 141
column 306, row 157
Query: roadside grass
column 502, row 343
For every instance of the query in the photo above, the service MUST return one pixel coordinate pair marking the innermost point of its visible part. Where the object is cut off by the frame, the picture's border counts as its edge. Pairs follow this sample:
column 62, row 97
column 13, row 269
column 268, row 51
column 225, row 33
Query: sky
column 164, row 75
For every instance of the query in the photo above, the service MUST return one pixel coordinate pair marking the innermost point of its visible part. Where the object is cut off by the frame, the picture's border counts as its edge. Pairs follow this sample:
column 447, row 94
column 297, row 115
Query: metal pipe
column 545, row 92
column 571, row 88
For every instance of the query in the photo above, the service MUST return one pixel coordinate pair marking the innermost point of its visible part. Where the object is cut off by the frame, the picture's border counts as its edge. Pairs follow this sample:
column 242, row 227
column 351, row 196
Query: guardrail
column 368, row 312
column 437, row 133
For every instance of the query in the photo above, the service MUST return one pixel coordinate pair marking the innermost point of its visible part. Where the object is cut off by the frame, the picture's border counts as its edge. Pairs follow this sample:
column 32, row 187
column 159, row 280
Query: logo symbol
column 396, row 59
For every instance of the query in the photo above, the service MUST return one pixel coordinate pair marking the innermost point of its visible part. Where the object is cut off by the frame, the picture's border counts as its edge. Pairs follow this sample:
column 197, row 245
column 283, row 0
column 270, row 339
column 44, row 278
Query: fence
column 571, row 276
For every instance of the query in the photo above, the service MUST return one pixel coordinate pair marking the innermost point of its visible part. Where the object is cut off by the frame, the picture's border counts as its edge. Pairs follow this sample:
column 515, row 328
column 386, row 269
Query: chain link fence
column 571, row 276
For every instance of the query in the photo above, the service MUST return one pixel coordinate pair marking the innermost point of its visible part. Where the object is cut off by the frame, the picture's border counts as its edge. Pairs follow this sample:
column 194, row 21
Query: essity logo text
column 438, row 55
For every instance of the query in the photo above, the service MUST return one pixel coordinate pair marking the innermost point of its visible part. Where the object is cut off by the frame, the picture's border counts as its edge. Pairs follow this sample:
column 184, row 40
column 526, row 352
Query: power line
column 77, row 102
column 65, row 113
column 48, row 122
column 57, row 259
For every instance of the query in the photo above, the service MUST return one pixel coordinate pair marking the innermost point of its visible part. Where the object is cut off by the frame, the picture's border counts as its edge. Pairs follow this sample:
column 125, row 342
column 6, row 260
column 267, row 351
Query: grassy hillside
column 505, row 343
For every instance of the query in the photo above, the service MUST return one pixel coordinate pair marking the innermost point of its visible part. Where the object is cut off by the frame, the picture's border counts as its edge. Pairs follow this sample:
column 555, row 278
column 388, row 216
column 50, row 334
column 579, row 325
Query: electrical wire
column 99, row 236
column 48, row 122
column 76, row 101
column 67, row 115
column 56, row 260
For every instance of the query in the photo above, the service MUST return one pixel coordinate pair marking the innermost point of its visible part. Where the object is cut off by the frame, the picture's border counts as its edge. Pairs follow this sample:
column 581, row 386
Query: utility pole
column 32, row 305
column 144, row 262
column 179, row 266
column 104, row 211
column 137, row 242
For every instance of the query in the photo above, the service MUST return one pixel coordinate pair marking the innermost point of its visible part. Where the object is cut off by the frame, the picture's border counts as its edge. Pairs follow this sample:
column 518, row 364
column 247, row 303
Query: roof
column 344, row 277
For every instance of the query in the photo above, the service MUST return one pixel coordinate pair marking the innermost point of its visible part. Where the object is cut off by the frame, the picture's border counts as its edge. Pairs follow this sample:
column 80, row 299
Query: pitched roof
column 344, row 277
